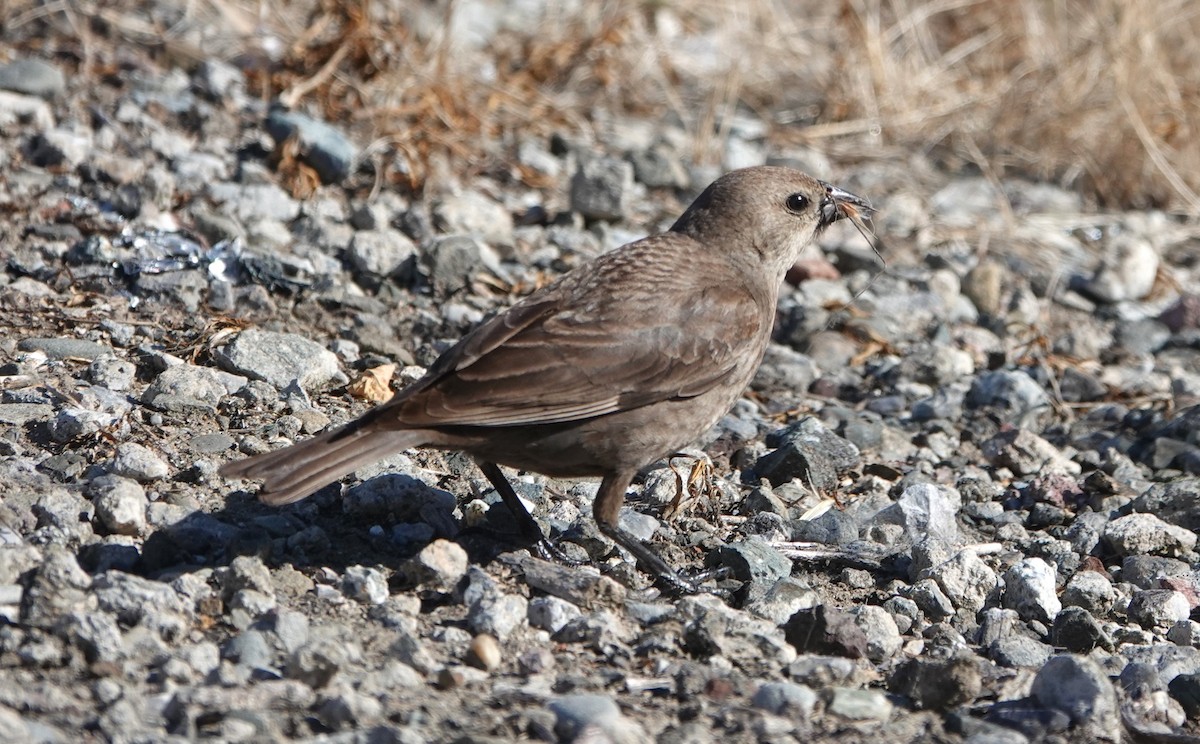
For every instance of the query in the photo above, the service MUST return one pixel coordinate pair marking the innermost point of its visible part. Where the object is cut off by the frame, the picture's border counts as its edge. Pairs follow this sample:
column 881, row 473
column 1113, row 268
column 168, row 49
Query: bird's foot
column 668, row 578
column 548, row 550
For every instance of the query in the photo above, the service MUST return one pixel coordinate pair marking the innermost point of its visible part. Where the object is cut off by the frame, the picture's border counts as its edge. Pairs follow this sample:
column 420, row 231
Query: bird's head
column 771, row 212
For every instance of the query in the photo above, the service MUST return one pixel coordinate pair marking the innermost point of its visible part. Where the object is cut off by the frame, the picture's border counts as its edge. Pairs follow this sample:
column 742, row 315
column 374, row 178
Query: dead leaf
column 374, row 385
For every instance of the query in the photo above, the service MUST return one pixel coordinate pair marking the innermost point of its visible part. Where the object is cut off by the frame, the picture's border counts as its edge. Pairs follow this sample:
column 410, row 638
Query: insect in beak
column 838, row 204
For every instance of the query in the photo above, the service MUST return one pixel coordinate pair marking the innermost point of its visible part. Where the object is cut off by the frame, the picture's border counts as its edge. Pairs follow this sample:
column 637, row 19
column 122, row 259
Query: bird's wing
column 637, row 329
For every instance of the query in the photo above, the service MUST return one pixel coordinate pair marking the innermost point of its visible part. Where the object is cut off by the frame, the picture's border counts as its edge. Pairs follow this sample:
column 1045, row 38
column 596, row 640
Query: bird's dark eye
column 797, row 203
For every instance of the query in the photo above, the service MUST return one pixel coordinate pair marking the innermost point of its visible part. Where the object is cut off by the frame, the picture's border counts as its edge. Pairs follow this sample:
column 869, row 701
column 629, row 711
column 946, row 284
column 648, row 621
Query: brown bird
column 615, row 365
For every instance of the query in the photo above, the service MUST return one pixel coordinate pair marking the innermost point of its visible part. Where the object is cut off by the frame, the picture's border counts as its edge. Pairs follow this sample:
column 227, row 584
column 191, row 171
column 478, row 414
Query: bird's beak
column 838, row 204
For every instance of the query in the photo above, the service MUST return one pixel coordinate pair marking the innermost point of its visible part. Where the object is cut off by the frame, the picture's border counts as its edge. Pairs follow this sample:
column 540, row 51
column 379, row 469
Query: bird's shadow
column 383, row 521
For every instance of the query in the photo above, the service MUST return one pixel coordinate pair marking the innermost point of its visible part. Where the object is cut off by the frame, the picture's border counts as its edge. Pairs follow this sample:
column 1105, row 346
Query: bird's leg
column 606, row 510
column 529, row 527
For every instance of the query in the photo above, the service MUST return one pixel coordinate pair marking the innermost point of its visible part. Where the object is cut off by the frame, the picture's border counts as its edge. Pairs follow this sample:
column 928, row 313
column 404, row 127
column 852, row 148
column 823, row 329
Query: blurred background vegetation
column 1099, row 96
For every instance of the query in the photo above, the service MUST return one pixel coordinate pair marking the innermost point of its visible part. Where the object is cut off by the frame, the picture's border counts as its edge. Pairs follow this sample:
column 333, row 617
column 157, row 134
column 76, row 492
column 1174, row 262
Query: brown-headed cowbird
column 618, row 363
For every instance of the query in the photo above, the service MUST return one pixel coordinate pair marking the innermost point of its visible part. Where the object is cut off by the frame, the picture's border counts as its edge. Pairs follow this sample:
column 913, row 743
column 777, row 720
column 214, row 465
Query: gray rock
column 966, row 580
column 10, row 602
column 1076, row 686
column 784, row 369
column 642, row 526
column 15, row 110
column 248, row 604
column 713, row 627
column 808, row 451
column 65, row 348
column 1183, row 314
column 786, row 699
column 76, row 423
column 380, row 254
column 1077, row 631
column 1145, row 691
column 1008, row 390
column 810, row 431
column 211, row 444
column 586, row 717
column 251, row 648
column 290, row 628
column 1176, row 502
column 551, row 613
column 59, row 587
column 471, row 213
column 400, row 497
column 1148, row 571
column 1029, row 588
column 1019, row 651
column 945, row 403
column 926, row 511
column 659, row 167
column 883, row 637
column 1138, row 534
column 94, row 633
column 931, row 600
column 14, row 728
column 143, row 602
column 120, row 504
column 602, row 188
column 825, row 630
column 32, row 77
column 1144, row 336
column 1078, row 386
column 1085, row 342
column 62, row 516
column 194, row 171
column 742, row 151
column 938, row 684
column 348, row 708
column 366, row 585
column 1091, row 591
column 1025, row 453
column 280, row 358
column 255, row 201
column 859, row 705
column 322, row 146
column 246, row 572
column 532, row 154
column 1169, row 660
column 18, row 414
column 1128, row 272
column 965, row 202
column 904, row 611
column 834, row 527
column 452, row 262
column 218, row 79
column 1186, row 689
column 497, row 614
column 1158, row 609
column 787, row 597
column 1084, row 533
column 822, row 671
column 112, row 373
column 184, row 387
column 996, row 623
column 59, row 147
column 137, row 462
column 318, row 661
column 752, row 560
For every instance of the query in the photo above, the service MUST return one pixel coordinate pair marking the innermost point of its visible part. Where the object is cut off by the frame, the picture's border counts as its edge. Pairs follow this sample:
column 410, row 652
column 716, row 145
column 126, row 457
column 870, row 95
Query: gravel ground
column 959, row 502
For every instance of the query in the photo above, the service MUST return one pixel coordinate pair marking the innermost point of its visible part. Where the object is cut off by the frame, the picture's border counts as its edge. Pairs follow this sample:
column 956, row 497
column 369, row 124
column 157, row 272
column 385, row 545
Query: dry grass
column 1103, row 95
column 1098, row 95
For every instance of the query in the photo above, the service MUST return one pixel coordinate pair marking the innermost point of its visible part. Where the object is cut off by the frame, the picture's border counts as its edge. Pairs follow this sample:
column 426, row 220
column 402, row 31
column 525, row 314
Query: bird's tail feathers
column 294, row 472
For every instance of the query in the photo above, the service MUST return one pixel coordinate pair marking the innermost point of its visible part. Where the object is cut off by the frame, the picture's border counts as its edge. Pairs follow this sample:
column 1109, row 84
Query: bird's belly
column 626, row 440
